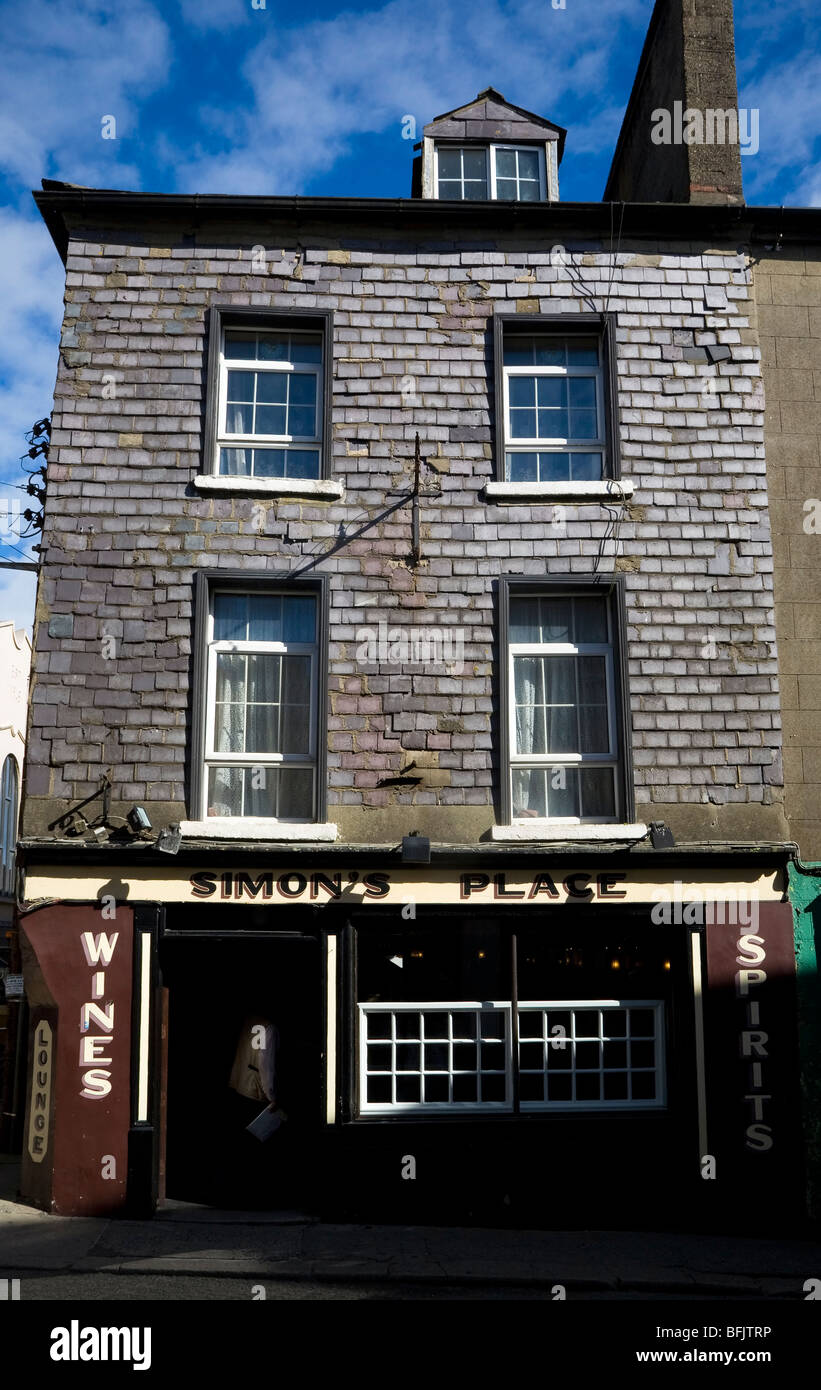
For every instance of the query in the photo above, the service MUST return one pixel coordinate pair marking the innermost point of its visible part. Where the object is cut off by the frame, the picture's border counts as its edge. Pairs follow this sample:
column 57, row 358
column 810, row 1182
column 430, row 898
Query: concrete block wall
column 788, row 296
column 126, row 531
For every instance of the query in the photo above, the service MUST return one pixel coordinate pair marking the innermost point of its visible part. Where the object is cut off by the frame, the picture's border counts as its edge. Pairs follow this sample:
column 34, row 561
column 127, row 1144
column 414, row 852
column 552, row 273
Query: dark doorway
column 220, row 990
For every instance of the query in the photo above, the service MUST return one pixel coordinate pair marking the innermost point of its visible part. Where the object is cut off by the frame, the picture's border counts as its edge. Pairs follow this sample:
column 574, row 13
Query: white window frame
column 511, row 146
column 214, row 758
column 288, row 442
column 601, row 1006
column 489, row 151
column 555, row 444
column 612, row 759
column 505, row 1007
column 367, row 1008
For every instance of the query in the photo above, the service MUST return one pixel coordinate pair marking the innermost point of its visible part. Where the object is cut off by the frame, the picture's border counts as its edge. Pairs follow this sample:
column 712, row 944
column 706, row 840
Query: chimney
column 680, row 137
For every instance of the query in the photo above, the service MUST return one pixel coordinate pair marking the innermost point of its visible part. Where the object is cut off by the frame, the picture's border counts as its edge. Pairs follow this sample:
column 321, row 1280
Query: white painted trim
column 330, row 1040
column 610, row 489
column 428, row 168
column 272, row 487
column 561, row 831
column 701, row 1078
column 145, row 1022
column 255, row 828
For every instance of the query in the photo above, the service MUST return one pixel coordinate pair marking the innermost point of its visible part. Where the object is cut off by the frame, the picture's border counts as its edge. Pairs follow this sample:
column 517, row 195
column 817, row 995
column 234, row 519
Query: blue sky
column 226, row 96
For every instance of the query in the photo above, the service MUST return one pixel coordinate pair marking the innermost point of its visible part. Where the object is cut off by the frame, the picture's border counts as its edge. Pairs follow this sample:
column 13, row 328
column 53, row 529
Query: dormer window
column 478, row 173
column 489, row 151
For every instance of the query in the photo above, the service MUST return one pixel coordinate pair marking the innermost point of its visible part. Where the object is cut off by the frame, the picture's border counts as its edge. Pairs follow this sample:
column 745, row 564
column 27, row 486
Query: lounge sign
column 40, row 1092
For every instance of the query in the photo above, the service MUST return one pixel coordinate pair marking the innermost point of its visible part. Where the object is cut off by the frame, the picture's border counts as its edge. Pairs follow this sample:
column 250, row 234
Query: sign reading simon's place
column 552, row 887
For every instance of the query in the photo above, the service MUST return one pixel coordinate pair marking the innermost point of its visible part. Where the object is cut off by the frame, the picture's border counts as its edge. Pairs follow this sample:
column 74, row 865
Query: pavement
column 189, row 1240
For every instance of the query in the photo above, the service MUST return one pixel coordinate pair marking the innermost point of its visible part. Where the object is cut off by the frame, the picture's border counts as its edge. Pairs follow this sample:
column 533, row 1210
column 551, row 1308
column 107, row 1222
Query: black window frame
column 613, row 585
column 602, row 326
column 222, row 316
column 205, row 582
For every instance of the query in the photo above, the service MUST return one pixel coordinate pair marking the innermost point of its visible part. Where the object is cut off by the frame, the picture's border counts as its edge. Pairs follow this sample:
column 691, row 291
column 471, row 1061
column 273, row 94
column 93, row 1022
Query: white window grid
column 217, row 758
column 592, row 1021
column 489, row 152
column 225, row 440
column 556, row 444
column 490, row 1022
column 527, row 761
column 595, row 1024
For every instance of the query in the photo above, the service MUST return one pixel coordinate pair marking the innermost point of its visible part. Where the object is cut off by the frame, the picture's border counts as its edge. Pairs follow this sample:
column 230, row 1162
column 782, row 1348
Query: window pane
column 230, row 617
column 582, row 392
column 239, row 345
column 299, row 618
column 597, row 792
column 522, row 468
column 517, row 351
column 270, row 463
column 522, row 390
column 450, row 164
column 475, row 164
column 270, row 419
column 529, row 164
column 582, row 425
column 225, row 791
column 554, row 468
column 450, row 188
column 530, row 192
column 264, row 618
column 506, row 164
column 506, row 189
column 552, row 392
column 272, row 387
column 301, row 422
column 296, row 793
column 585, row 468
column 262, row 729
column 562, row 791
column 590, row 619
column 476, row 192
column 273, row 347
column 302, row 463
column 306, row 347
column 264, row 671
column 239, row 419
column 582, row 352
column 241, row 386
column 236, row 462
column 529, row 792
column 550, row 352
column 556, row 614
column 524, row 618
column 302, row 389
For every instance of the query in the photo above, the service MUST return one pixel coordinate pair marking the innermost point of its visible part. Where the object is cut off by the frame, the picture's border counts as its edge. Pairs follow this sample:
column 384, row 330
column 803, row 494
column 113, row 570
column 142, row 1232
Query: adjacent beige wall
column 788, row 293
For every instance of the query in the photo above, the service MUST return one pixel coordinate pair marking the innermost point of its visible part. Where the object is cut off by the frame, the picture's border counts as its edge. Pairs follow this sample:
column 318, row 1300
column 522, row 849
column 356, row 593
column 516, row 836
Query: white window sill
column 567, row 830
column 254, row 828
column 323, row 488
column 609, row 489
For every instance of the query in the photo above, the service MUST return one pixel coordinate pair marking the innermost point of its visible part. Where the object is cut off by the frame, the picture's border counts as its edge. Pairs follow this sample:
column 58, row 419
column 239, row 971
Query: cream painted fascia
column 551, row 164
column 173, row 884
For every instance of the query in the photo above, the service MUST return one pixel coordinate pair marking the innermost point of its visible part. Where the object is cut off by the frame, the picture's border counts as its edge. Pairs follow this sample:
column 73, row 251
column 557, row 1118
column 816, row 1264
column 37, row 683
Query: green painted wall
column 805, row 896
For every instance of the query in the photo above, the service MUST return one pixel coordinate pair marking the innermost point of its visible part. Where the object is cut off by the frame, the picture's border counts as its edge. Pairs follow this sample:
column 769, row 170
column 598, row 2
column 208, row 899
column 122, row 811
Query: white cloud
column 31, row 290
column 206, row 15
column 17, row 595
column 66, row 67
column 318, row 87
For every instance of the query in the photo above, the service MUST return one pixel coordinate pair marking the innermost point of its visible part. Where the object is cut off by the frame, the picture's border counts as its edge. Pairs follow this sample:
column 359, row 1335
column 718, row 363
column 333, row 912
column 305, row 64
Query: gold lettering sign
column 40, row 1092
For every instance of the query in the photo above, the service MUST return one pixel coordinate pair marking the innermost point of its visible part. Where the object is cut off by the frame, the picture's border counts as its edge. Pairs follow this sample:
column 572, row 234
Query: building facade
column 405, row 707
